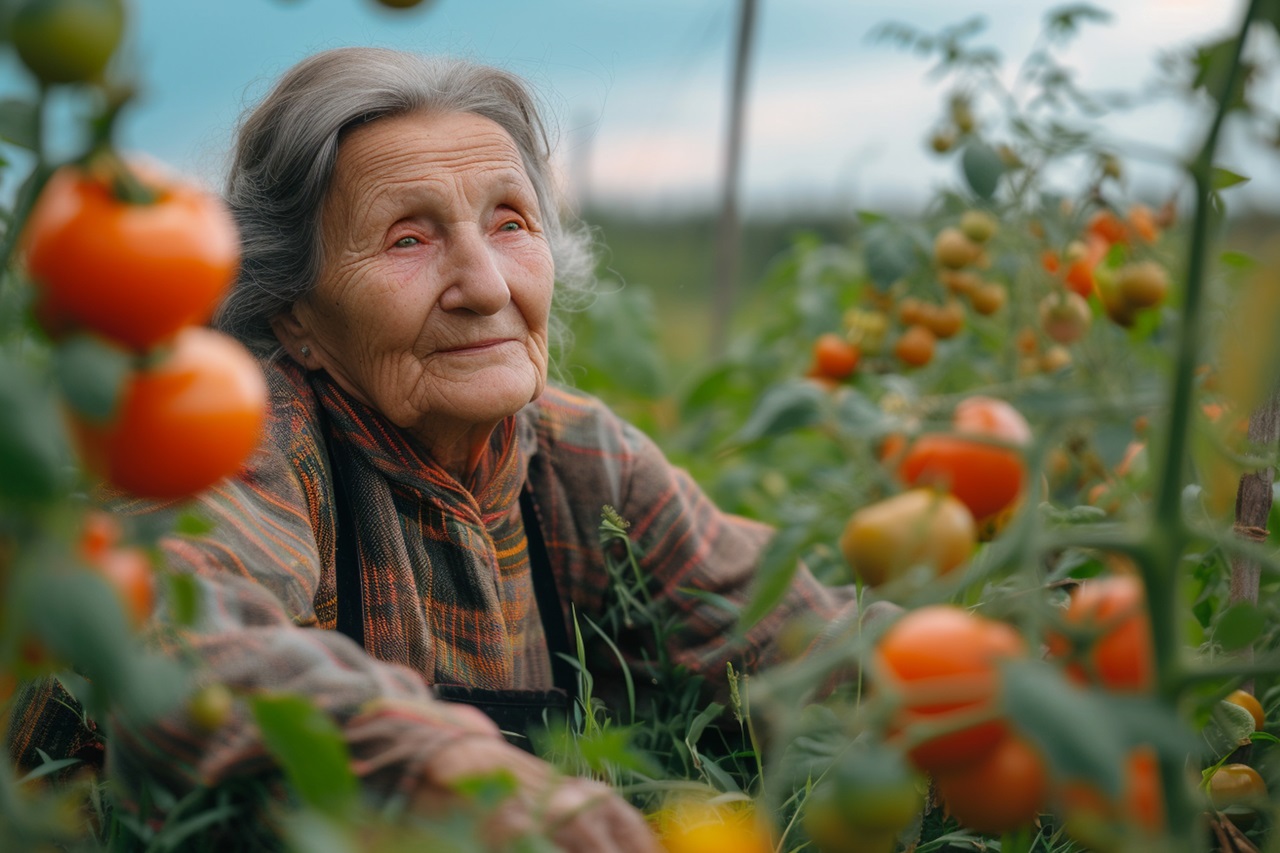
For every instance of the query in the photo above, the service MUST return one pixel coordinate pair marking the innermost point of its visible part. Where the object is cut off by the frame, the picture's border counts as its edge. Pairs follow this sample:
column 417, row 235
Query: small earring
column 306, row 351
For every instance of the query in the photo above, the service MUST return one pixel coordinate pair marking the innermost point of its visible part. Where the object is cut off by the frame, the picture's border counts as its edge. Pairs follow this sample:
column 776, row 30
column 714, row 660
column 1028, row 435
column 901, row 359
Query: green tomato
column 867, row 797
column 67, row 41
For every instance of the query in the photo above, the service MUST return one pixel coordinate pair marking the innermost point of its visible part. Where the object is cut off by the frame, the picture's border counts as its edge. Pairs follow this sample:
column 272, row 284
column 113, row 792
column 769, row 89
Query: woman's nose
column 475, row 281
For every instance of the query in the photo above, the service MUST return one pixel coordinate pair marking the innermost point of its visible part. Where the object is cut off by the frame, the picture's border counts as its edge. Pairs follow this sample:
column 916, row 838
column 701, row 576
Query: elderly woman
column 424, row 510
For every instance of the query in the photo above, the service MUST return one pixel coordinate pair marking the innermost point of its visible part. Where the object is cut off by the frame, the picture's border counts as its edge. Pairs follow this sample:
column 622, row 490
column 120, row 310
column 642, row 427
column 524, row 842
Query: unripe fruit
column 978, row 225
column 953, row 250
column 1143, row 284
column 918, row 527
column 989, row 298
column 1065, row 317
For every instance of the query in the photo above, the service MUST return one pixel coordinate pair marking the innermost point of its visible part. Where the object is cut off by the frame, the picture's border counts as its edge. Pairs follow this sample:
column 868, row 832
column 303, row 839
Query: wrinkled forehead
column 413, row 157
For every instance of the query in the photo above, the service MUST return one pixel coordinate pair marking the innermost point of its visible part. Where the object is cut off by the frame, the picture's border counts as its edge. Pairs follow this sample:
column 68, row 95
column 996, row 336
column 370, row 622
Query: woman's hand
column 579, row 815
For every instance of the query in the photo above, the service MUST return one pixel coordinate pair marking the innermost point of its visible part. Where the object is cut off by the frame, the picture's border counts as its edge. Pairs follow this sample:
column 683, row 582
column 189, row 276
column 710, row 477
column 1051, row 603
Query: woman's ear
column 292, row 335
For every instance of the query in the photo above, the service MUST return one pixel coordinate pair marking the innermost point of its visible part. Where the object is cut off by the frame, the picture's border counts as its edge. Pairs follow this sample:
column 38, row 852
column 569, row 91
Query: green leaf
column 1230, row 727
column 33, row 447
column 889, row 255
column 618, row 341
column 1238, row 260
column 777, row 567
column 857, row 415
column 184, row 598
column 982, row 168
column 310, row 749
column 192, row 523
column 1239, row 625
column 91, row 374
column 18, row 123
column 783, row 408
column 1222, row 179
column 1065, row 722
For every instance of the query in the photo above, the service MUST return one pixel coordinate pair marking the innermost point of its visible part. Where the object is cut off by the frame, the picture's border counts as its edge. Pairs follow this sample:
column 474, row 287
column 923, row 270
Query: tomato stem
column 1159, row 560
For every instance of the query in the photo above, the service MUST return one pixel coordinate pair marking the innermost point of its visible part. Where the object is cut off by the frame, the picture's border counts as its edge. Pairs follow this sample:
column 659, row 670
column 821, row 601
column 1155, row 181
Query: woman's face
column 435, row 287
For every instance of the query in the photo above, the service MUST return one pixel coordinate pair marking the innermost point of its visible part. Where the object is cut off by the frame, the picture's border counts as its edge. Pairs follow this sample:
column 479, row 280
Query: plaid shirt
column 447, row 593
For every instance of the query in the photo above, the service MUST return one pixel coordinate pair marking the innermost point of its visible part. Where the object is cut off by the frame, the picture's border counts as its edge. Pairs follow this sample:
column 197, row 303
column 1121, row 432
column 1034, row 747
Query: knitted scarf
column 460, row 548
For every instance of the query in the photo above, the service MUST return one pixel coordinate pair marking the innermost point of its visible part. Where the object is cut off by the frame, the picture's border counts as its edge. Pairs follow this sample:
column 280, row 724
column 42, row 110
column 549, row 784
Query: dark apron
column 516, row 712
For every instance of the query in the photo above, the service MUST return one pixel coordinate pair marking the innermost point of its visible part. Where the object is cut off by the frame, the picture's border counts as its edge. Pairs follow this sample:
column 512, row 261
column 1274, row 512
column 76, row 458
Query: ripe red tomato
column 1119, row 655
column 183, row 424
column 943, row 661
column 136, row 273
column 987, row 477
column 1107, row 226
column 1000, row 792
column 833, row 357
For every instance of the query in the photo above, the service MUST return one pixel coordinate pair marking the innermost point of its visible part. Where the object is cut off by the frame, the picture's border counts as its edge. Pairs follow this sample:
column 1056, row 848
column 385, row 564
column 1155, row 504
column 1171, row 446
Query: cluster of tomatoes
column 126, row 264
column 958, row 482
column 139, row 273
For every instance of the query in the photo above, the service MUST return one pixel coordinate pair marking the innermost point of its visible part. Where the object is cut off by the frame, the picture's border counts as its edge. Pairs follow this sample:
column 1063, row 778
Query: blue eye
column 510, row 226
column 405, row 242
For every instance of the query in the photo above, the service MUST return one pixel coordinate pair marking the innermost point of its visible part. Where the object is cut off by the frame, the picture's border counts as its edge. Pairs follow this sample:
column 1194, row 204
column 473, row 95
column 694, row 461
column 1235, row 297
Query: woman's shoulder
column 563, row 414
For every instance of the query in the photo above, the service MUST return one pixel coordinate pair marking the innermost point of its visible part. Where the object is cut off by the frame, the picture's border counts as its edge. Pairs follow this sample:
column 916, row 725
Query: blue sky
column 637, row 89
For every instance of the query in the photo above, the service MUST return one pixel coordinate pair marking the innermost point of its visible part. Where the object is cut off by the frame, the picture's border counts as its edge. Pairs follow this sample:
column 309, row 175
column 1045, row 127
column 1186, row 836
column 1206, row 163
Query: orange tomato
column 946, row 320
column 129, row 571
column 1237, row 785
column 1118, row 655
column 183, row 424
column 833, row 357
column 135, row 273
column 987, row 477
column 953, row 250
column 1079, row 277
column 915, row 346
column 944, row 662
column 1105, row 821
column 1107, row 226
column 1142, row 221
column 1000, row 792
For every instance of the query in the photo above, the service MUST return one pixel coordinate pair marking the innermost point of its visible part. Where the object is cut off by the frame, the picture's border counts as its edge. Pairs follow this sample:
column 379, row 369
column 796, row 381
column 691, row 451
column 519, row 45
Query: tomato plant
column 918, row 527
column 184, row 423
column 943, row 661
column 134, row 271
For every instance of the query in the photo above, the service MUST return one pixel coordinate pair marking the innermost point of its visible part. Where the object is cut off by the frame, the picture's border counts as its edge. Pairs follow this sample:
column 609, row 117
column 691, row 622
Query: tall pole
column 729, row 231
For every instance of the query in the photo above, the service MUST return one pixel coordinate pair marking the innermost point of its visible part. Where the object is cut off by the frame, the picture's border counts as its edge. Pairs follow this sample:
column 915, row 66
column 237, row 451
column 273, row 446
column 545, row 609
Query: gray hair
column 287, row 146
